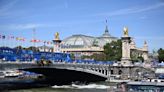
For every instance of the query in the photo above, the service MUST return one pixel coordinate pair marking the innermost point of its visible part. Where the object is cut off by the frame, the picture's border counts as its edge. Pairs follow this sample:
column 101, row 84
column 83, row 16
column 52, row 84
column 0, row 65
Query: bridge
column 22, row 59
column 79, row 71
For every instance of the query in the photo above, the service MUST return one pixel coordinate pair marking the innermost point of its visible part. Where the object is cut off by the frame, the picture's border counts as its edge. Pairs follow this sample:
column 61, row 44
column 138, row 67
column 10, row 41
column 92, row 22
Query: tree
column 19, row 47
column 135, row 57
column 113, row 50
column 161, row 54
column 72, row 56
column 95, row 56
column 35, row 49
column 99, row 56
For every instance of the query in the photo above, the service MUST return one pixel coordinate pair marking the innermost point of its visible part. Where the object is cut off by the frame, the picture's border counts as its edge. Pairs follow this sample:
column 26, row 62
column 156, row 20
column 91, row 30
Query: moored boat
column 17, row 76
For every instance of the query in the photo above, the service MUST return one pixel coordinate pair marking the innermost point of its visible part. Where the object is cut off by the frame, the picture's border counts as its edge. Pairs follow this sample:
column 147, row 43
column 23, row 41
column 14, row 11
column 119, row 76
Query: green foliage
column 19, row 47
column 72, row 56
column 35, row 49
column 95, row 56
column 161, row 54
column 140, row 59
column 86, row 57
column 135, row 57
column 29, row 48
column 113, row 50
column 99, row 57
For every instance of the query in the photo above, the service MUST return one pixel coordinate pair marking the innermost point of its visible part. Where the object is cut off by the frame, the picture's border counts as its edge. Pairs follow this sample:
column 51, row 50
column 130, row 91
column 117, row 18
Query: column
column 56, row 42
column 125, row 61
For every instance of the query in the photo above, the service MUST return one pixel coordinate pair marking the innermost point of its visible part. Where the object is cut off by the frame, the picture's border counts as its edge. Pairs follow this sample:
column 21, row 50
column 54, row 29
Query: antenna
column 106, row 28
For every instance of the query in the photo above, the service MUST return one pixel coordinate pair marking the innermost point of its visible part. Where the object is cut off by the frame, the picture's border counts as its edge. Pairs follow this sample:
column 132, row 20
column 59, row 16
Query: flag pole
column 34, row 37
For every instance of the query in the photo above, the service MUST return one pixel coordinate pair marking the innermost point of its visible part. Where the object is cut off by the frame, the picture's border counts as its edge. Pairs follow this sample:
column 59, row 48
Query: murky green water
column 93, row 87
column 59, row 90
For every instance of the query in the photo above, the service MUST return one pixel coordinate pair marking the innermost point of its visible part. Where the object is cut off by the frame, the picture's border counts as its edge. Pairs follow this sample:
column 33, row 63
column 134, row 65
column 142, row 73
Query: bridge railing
column 18, row 62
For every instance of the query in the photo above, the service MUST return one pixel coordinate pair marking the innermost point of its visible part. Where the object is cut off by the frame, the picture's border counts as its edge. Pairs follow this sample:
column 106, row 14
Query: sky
column 144, row 19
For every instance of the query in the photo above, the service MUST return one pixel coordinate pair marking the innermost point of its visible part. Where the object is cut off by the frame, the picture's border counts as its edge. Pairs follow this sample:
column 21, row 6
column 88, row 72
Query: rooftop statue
column 56, row 36
column 125, row 31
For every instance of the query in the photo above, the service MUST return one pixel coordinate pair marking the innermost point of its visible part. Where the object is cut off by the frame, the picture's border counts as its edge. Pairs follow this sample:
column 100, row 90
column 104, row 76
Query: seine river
column 92, row 87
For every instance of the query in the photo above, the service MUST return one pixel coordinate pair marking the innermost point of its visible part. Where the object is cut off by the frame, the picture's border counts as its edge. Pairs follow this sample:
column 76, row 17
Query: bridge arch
column 67, row 76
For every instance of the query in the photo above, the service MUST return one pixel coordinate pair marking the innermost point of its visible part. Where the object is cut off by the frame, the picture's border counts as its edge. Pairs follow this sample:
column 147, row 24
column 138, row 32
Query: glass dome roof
column 78, row 40
column 87, row 41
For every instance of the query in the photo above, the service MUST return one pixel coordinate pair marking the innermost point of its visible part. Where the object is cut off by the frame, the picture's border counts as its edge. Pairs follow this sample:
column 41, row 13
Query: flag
column 22, row 39
column 44, row 42
column 12, row 37
column 8, row 37
column 48, row 42
column 32, row 40
column 3, row 37
column 17, row 38
column 38, row 41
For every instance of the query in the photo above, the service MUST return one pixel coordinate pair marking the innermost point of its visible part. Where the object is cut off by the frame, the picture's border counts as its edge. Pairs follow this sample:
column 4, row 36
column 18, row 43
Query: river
column 92, row 87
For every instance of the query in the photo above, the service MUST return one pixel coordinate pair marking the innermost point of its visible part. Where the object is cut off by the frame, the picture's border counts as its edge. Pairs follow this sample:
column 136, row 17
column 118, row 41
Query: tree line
column 160, row 55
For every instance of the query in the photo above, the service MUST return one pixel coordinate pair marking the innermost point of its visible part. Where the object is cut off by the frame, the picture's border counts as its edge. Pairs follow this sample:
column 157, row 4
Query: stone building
column 139, row 52
column 86, row 45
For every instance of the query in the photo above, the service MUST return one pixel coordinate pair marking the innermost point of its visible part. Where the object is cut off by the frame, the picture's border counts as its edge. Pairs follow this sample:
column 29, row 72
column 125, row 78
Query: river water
column 92, row 87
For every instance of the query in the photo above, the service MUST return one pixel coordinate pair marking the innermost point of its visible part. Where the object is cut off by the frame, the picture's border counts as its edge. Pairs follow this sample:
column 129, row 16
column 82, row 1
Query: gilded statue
column 56, row 36
column 125, row 31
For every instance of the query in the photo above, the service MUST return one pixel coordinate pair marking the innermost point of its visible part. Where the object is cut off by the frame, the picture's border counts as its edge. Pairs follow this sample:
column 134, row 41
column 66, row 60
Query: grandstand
column 20, row 55
column 15, row 54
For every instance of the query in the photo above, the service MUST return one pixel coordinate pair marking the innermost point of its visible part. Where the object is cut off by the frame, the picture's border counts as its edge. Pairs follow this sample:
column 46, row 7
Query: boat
column 17, row 76
column 16, row 79
column 141, row 86
column 12, row 73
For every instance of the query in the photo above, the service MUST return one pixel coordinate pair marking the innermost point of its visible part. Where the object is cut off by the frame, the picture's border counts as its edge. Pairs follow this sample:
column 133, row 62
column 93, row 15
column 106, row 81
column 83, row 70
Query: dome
column 104, row 40
column 78, row 41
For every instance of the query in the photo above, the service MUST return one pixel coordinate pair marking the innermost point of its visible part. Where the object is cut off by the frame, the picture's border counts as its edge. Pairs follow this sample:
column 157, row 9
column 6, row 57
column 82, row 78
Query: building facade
column 81, row 45
column 86, row 45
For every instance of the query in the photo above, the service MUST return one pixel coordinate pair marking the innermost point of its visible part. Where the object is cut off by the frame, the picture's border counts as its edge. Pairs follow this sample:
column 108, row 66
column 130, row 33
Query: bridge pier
column 101, row 71
column 105, row 72
column 108, row 75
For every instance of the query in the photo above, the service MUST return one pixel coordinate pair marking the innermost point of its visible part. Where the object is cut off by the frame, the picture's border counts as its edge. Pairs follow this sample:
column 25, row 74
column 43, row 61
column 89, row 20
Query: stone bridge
column 105, row 71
